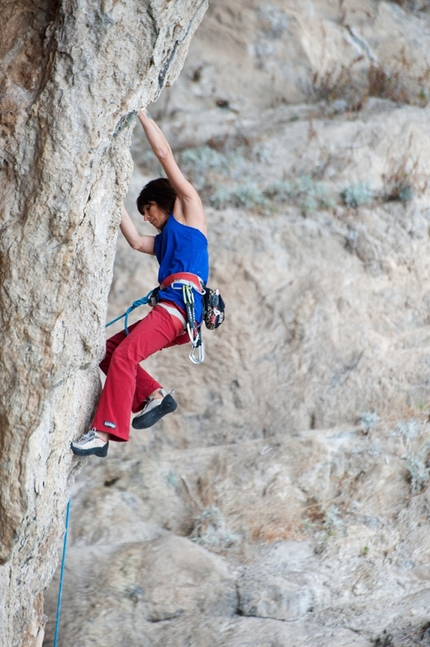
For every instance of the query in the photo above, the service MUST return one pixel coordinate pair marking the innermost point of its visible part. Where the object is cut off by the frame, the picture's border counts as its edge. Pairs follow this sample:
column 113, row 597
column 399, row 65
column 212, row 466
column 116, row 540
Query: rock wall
column 73, row 74
column 286, row 501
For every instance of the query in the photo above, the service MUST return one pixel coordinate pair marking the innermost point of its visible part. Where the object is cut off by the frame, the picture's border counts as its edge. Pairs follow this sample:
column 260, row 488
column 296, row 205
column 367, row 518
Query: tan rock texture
column 285, row 503
column 73, row 74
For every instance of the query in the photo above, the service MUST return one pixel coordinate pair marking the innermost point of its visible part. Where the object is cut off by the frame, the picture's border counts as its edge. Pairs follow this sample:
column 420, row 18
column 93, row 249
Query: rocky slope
column 285, row 503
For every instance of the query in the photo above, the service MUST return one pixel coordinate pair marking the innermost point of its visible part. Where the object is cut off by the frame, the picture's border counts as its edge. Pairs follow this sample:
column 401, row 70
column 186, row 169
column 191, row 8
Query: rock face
column 73, row 73
column 285, row 503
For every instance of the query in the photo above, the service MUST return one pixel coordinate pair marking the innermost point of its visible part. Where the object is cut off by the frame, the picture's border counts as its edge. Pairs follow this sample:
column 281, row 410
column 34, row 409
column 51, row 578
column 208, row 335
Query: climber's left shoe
column 90, row 444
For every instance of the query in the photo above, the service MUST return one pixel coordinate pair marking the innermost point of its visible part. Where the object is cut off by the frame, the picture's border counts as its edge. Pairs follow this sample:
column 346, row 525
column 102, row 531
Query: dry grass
column 276, row 530
column 314, row 512
column 340, row 84
column 404, row 180
column 388, row 84
column 412, row 5
column 397, row 409
column 352, row 86
column 342, row 12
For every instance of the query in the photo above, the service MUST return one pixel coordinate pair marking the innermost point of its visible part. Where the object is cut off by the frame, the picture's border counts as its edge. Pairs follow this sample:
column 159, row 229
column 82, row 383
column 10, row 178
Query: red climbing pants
column 127, row 384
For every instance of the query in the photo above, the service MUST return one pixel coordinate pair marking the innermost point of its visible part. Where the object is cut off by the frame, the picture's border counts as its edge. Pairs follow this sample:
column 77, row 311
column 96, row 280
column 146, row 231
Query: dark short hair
column 159, row 191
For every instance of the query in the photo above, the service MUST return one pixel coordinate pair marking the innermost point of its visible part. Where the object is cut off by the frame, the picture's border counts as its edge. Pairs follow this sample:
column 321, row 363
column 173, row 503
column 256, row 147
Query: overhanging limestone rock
column 73, row 73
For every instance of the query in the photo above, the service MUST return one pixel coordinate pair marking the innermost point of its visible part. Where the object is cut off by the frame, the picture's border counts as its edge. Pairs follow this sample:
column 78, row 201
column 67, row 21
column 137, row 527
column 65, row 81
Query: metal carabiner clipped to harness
column 197, row 354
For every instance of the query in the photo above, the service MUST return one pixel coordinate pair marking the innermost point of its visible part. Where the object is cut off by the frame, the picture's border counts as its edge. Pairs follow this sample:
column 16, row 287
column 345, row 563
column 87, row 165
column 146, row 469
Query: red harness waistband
column 184, row 278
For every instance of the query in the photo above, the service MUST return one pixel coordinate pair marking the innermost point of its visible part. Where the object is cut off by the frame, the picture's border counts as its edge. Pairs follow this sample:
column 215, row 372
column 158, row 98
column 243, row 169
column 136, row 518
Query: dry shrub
column 345, row 84
column 314, row 512
column 342, row 12
column 205, row 494
column 413, row 5
column 275, row 523
column 387, row 84
column 340, row 84
column 276, row 529
column 403, row 180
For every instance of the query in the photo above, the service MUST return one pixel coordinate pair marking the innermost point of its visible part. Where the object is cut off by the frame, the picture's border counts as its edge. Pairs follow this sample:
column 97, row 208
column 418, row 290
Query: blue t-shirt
column 180, row 248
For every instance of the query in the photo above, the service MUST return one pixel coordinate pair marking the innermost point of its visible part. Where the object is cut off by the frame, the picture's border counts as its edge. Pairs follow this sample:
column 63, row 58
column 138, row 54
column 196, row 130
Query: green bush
column 418, row 474
column 211, row 531
column 368, row 421
column 199, row 163
column 304, row 191
column 247, row 195
column 356, row 195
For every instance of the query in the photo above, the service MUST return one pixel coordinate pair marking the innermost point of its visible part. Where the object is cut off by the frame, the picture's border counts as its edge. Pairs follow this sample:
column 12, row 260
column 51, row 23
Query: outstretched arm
column 191, row 205
column 135, row 240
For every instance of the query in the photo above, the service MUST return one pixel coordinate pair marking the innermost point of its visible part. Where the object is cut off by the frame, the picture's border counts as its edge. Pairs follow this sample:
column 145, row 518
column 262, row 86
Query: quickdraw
column 197, row 354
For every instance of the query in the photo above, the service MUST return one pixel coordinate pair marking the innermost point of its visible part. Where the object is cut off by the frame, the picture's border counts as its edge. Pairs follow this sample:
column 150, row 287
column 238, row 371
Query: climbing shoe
column 89, row 444
column 153, row 411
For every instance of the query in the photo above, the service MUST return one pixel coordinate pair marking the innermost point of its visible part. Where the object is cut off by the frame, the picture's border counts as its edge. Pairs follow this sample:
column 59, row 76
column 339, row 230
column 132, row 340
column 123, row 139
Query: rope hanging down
column 60, row 588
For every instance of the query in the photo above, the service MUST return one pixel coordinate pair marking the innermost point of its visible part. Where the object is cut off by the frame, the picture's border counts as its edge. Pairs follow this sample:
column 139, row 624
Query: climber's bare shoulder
column 189, row 211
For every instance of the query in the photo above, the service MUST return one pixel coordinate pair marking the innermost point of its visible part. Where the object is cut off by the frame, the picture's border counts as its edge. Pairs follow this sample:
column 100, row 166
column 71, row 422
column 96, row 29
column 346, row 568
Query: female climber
column 174, row 208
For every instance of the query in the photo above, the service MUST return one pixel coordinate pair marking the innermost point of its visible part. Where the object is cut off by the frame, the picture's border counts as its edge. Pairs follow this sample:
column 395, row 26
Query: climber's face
column 155, row 215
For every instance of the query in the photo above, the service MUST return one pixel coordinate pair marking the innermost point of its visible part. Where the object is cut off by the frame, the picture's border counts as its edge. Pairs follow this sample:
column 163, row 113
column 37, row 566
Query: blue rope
column 135, row 304
column 140, row 302
column 63, row 564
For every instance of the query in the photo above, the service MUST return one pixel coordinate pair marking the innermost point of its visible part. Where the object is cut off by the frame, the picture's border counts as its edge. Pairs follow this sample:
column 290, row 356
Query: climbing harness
column 188, row 282
column 213, row 308
column 63, row 564
column 183, row 278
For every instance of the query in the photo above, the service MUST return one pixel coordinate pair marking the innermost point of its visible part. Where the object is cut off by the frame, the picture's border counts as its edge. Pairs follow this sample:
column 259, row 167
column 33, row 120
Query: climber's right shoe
column 153, row 411
column 89, row 444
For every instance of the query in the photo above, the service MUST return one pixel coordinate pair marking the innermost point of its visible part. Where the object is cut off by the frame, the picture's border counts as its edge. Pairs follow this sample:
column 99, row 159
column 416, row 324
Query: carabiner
column 200, row 357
